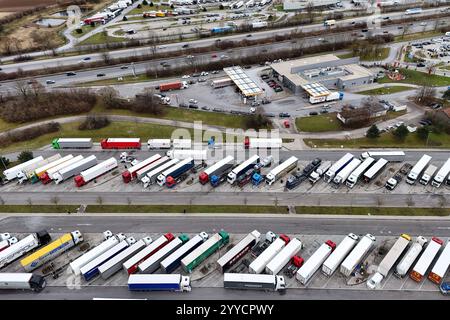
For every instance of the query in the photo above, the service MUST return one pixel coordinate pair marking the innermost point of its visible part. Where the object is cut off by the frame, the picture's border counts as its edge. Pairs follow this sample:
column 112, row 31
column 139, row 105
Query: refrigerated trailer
column 338, row 255
column 181, row 143
column 72, row 143
column 51, row 250
column 428, row 175
column 220, row 83
column 319, row 172
column 11, row 173
column 358, row 172
column 159, row 144
column 441, row 174
column 307, row 270
column 196, row 154
column 441, row 266
column 40, row 172
column 420, row 268
column 357, row 254
column 388, row 261
column 95, row 172
column 22, row 281
column 131, row 173
column 253, row 281
column 174, row 172
column 283, row 257
column 391, row 156
column 121, row 143
column 418, row 168
column 262, row 143
column 173, row 261
column 207, row 248
column 26, row 173
column 242, row 168
column 239, row 250
column 337, row 167
column 74, row 169
column 411, row 255
column 159, row 282
column 47, row 177
column 113, row 265
column 375, row 170
column 140, row 174
column 215, row 169
column 7, row 243
column 150, row 177
column 281, row 170
column 345, row 172
column 259, row 264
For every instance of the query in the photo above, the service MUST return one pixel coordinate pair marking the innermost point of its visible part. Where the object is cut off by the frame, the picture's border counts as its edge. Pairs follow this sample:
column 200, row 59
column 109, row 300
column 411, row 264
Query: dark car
column 313, row 113
column 324, row 111
column 249, row 35
column 71, row 74
column 183, row 105
column 266, row 101
column 185, row 46
column 100, row 75
column 193, row 106
column 284, row 115
column 124, row 67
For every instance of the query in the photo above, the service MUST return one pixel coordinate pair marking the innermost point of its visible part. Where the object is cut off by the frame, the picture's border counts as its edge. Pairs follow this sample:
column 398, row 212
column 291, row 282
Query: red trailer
column 130, row 174
column 172, row 86
column 121, row 143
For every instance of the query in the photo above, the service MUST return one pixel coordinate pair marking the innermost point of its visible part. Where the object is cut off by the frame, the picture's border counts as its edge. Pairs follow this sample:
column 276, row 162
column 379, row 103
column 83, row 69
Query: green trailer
column 192, row 260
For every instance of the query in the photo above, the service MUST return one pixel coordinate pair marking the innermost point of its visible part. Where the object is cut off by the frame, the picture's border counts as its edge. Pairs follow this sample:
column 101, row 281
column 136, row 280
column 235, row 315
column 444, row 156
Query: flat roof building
column 246, row 85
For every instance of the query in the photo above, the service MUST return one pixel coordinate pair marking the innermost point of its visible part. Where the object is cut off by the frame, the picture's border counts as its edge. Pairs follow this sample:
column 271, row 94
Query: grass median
column 385, row 90
column 419, row 78
column 374, row 211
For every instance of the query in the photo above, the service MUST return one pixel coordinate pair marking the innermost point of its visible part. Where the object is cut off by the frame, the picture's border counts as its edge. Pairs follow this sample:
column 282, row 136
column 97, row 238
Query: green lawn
column 126, row 79
column 417, row 36
column 380, row 54
column 385, row 90
column 156, row 7
column 375, row 211
column 100, row 38
column 319, row 123
column 386, row 140
column 419, row 78
column 85, row 29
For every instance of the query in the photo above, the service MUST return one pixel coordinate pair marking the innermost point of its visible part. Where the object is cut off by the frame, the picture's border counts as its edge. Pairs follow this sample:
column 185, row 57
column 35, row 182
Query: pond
column 50, row 22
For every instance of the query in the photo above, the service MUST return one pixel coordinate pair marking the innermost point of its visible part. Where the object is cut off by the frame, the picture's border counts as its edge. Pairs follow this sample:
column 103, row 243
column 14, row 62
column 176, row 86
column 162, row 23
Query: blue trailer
column 221, row 29
column 159, row 282
column 177, row 171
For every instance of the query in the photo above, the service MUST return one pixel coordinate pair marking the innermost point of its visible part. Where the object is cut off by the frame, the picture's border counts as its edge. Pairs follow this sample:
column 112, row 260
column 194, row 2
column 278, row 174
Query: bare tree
column 425, row 95
column 22, row 89
column 153, row 42
column 106, row 57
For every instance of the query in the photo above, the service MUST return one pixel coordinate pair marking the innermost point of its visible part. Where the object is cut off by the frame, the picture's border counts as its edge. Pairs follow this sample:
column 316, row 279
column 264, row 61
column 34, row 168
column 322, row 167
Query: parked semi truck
column 282, row 169
column 184, row 154
column 40, row 172
column 26, row 173
column 388, row 261
column 220, row 83
column 131, row 173
column 51, row 250
column 262, row 143
column 357, row 254
column 182, row 144
column 441, row 266
column 239, row 250
column 193, row 259
column 307, row 270
column 398, row 177
column 169, row 176
column 113, row 265
column 339, row 254
column 358, row 172
column 319, row 172
column 375, row 170
column 221, row 176
column 242, row 169
column 22, row 281
column 173, row 261
column 48, row 175
column 159, row 144
column 176, row 85
column 297, row 178
column 95, row 172
column 74, row 169
column 428, row 175
column 253, row 281
column 283, row 257
column 153, row 263
column 420, row 268
column 391, row 156
column 72, row 143
column 152, row 176
column 215, row 169
column 142, row 173
column 337, row 167
column 159, row 282
column 441, row 174
column 121, row 143
column 259, row 264
column 23, row 246
column 12, row 173
column 410, row 256
column 418, row 168
column 345, row 173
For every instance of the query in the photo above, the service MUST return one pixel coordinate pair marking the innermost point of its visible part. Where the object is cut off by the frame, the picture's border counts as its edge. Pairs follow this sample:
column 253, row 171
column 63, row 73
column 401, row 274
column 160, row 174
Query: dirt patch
column 4, row 14
column 19, row 5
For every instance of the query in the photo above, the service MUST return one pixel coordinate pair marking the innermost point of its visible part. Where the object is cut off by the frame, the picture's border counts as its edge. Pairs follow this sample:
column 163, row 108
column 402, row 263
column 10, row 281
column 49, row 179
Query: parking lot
column 435, row 51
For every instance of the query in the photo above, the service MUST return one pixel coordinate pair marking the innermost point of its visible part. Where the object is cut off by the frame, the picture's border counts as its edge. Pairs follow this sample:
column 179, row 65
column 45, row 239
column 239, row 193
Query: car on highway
column 214, row 56
column 421, row 64
column 423, row 23
column 313, row 113
column 249, row 35
column 101, row 74
column 87, row 59
column 162, row 47
column 70, row 74
column 284, row 115
column 124, row 67
column 185, row 46
column 223, row 56
column 50, row 82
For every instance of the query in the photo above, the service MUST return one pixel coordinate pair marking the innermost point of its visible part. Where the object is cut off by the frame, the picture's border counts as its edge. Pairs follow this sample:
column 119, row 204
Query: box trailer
column 420, row 268
column 91, row 269
column 26, row 173
column 181, row 143
column 418, row 168
column 220, row 83
column 215, row 169
column 113, row 265
column 259, row 264
column 159, row 282
column 72, row 143
column 357, row 254
column 95, row 172
column 11, row 173
column 193, row 259
column 282, row 169
column 74, row 169
column 242, row 169
column 153, row 263
column 441, row 174
column 221, row 176
column 307, row 270
column 411, row 255
column 388, row 261
column 40, row 172
column 337, row 167
column 22, row 281
column 131, row 173
column 173, row 261
column 121, row 143
column 159, row 144
column 7, row 243
column 239, row 250
column 152, row 176
column 87, row 257
column 428, row 175
column 358, row 172
column 319, row 172
column 131, row 265
column 283, row 257
column 176, row 85
column 140, row 174
column 262, row 143
column 47, row 177
column 345, row 173
column 259, row 24
column 338, row 255
column 51, row 250
column 253, row 281
column 168, row 176
column 441, row 266
column 23, row 246
column 184, row 154
column 391, row 156
column 375, row 170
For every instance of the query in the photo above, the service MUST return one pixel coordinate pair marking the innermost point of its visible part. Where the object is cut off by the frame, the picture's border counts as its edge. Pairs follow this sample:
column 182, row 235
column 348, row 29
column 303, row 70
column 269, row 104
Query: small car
column 100, row 75
column 50, row 82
